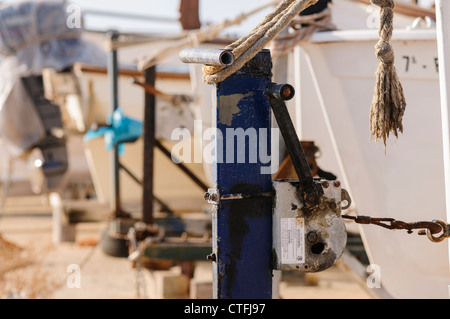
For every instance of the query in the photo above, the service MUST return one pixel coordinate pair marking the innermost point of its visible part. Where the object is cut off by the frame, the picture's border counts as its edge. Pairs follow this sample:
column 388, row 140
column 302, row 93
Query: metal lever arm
column 277, row 94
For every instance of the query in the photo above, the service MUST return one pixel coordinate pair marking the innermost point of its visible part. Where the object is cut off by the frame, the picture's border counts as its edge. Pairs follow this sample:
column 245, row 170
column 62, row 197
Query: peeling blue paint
column 244, row 252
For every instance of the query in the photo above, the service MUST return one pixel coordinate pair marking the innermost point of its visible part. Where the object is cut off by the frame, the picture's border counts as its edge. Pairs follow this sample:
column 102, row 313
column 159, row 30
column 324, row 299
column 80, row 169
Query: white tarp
column 34, row 35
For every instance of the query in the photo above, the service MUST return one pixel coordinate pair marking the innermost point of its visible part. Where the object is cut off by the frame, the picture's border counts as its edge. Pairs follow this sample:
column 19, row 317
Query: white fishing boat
column 405, row 180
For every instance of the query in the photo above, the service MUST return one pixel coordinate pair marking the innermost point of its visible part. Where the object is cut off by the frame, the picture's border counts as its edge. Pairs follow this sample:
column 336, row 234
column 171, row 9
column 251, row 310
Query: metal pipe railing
column 214, row 57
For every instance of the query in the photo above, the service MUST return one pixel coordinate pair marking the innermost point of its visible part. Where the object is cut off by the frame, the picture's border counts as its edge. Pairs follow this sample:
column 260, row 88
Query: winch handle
column 278, row 93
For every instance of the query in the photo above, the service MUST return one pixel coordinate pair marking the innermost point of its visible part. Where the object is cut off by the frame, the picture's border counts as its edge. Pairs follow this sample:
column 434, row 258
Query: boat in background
column 405, row 180
column 334, row 75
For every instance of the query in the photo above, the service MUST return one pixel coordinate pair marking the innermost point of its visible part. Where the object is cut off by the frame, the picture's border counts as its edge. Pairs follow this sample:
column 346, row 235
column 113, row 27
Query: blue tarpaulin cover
column 121, row 130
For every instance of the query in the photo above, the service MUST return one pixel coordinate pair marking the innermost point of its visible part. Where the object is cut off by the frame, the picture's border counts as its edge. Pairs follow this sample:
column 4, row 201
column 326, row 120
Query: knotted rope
column 248, row 46
column 388, row 105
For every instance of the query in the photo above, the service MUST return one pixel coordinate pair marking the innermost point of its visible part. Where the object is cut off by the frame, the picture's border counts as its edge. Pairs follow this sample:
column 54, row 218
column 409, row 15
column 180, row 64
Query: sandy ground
column 51, row 268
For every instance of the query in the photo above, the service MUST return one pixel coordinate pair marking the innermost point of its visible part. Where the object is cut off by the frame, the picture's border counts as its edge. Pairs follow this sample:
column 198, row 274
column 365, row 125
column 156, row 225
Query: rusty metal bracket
column 346, row 197
column 214, row 197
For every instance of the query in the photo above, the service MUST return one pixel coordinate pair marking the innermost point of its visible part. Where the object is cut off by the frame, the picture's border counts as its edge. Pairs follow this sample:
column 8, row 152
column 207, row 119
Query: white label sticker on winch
column 292, row 240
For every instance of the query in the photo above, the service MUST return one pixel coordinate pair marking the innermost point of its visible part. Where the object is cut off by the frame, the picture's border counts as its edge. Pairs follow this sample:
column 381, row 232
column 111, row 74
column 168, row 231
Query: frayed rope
column 388, row 105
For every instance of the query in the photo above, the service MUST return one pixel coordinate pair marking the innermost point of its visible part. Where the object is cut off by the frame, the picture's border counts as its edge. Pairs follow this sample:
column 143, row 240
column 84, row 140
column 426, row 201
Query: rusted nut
column 333, row 205
column 312, row 237
column 210, row 197
column 211, row 257
column 337, row 184
column 325, row 184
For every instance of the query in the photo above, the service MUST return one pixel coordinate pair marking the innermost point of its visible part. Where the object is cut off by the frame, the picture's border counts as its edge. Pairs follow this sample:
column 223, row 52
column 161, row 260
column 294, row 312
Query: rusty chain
column 431, row 229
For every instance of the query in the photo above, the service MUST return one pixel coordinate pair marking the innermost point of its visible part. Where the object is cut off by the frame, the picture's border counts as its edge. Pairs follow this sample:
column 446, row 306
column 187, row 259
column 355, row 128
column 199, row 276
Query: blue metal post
column 242, row 217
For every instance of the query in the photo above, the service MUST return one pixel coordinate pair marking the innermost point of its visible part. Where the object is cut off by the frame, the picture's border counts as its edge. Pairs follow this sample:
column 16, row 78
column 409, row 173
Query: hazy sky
column 210, row 11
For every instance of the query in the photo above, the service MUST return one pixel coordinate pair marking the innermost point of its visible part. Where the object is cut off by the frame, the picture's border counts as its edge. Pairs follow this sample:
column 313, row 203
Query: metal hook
column 444, row 235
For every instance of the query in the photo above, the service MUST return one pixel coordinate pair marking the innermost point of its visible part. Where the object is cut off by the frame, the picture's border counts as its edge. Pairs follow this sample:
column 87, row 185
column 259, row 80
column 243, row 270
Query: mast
column 189, row 14
column 443, row 41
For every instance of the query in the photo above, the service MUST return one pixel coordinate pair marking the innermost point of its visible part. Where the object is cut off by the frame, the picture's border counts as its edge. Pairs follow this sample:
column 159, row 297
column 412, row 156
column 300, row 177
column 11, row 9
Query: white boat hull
column 405, row 181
